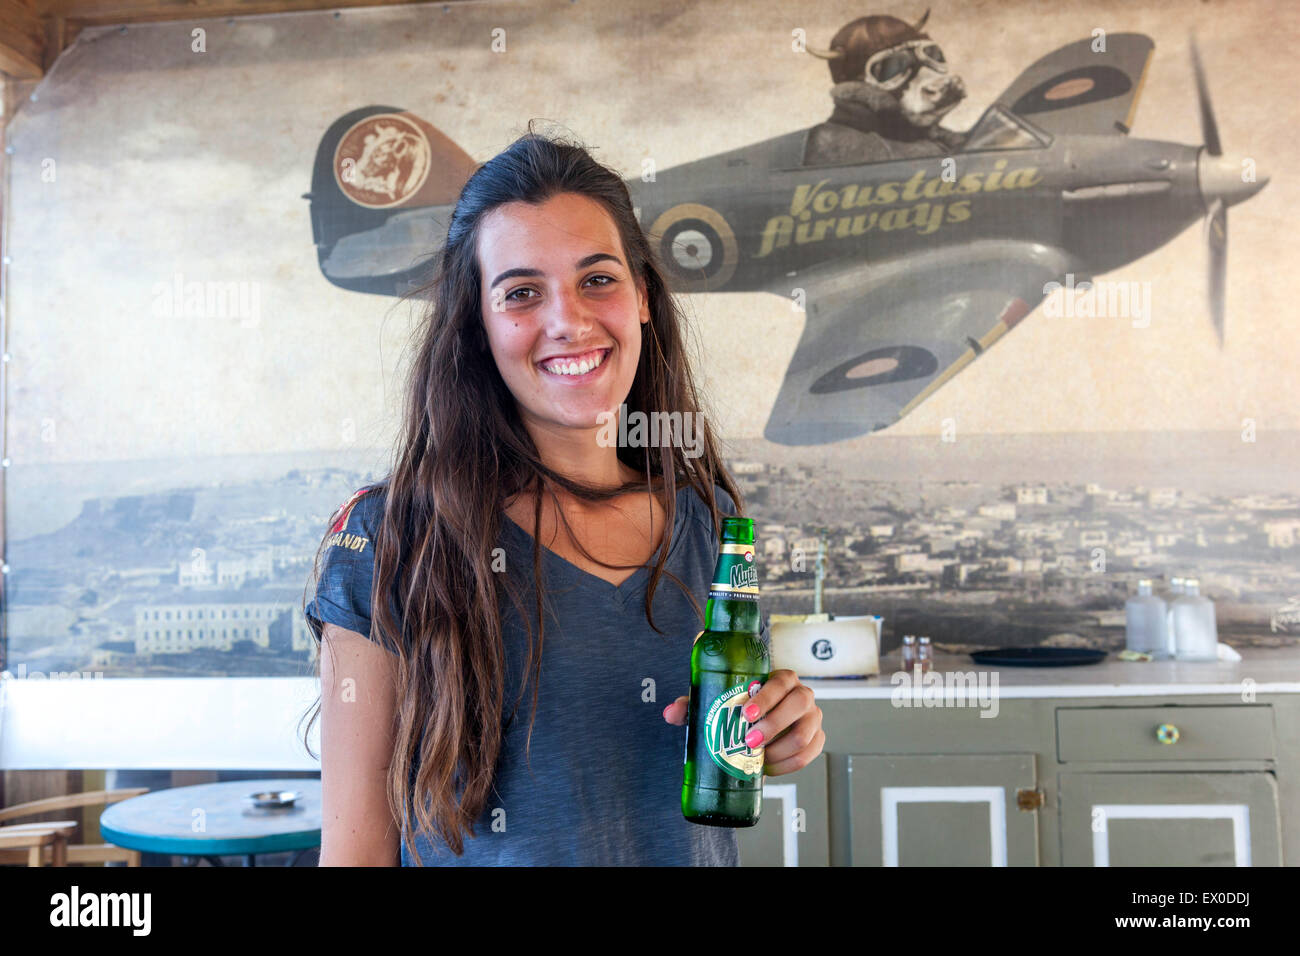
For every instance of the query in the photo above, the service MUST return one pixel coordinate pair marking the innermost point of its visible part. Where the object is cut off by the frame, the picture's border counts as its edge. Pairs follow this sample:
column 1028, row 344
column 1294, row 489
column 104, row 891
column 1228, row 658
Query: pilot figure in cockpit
column 892, row 86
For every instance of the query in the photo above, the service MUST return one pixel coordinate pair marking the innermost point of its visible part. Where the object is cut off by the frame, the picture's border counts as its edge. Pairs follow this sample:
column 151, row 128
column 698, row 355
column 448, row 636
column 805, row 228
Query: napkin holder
column 821, row 645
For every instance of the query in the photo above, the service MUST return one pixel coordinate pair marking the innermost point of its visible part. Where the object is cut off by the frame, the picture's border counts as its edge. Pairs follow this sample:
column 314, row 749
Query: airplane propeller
column 1222, row 185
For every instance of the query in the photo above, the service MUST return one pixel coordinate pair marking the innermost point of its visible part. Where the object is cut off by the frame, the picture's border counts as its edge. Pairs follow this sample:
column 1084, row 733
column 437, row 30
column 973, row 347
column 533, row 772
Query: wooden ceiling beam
column 99, row 12
column 22, row 40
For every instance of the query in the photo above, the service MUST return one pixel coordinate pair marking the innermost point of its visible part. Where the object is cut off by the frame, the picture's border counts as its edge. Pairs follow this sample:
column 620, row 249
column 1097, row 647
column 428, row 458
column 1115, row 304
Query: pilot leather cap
column 859, row 40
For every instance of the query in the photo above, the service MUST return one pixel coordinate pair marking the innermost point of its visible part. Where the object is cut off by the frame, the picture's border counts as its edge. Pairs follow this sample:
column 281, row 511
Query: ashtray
column 272, row 799
column 1038, row 656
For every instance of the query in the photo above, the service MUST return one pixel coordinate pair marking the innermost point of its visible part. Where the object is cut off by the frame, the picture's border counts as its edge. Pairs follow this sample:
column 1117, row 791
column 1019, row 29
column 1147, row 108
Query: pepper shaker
column 909, row 651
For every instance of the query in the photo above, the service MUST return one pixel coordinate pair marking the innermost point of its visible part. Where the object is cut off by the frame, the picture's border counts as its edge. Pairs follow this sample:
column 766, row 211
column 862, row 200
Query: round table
column 212, row 820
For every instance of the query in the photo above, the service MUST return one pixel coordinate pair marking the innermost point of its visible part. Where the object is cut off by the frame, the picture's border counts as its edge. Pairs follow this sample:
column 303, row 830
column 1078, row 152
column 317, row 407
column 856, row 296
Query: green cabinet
column 1191, row 780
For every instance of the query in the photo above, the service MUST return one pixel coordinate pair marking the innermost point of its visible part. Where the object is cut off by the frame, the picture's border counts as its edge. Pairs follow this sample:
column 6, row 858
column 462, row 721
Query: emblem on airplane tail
column 394, row 158
column 382, row 161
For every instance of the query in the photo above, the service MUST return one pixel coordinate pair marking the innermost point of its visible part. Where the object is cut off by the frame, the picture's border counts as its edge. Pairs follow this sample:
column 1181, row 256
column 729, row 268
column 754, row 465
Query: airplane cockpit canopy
column 999, row 129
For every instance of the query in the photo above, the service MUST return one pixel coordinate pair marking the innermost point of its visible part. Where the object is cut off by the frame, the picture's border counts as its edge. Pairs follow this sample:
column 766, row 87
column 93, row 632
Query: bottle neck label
column 735, row 577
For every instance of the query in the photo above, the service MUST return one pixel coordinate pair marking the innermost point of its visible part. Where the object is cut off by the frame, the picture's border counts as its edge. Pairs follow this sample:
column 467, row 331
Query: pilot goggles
column 890, row 69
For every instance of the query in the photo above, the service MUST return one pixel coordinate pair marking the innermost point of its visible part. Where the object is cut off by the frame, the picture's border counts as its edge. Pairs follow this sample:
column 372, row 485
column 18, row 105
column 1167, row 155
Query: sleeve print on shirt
column 347, row 569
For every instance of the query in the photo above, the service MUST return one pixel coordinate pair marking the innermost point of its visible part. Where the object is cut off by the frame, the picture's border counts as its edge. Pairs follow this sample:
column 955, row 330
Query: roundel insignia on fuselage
column 696, row 247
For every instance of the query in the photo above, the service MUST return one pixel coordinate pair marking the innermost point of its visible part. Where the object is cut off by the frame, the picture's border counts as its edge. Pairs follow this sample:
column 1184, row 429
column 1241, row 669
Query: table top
column 1260, row 671
column 214, row 819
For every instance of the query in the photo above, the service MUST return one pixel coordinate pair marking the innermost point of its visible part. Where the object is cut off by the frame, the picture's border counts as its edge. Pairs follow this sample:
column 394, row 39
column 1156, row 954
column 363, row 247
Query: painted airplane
column 907, row 270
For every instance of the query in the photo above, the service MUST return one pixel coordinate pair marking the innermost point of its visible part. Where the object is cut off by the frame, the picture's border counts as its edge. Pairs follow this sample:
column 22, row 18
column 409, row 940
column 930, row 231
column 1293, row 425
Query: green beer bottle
column 722, row 784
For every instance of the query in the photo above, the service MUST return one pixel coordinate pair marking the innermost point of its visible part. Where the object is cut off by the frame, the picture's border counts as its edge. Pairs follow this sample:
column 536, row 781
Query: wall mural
column 917, row 247
column 195, row 390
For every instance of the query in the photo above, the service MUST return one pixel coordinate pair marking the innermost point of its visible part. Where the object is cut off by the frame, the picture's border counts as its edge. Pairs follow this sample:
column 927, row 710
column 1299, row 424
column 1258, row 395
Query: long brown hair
column 463, row 452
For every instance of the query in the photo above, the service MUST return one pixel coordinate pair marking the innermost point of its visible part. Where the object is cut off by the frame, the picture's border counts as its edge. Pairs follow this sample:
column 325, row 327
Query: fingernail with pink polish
column 750, row 711
column 753, row 738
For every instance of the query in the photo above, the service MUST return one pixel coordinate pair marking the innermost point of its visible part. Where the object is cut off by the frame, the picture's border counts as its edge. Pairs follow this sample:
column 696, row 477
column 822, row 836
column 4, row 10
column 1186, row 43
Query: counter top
column 1260, row 671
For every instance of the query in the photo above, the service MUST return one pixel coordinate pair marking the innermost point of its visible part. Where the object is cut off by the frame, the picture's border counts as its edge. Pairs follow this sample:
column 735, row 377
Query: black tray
column 1038, row 656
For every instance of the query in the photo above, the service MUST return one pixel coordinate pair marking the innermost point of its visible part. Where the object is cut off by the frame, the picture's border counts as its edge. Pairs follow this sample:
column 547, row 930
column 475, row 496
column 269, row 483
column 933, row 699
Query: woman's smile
column 576, row 368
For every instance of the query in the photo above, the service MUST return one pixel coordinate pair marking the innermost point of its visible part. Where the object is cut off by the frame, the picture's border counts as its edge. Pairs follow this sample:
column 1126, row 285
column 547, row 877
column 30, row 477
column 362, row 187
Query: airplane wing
column 1078, row 90
column 880, row 338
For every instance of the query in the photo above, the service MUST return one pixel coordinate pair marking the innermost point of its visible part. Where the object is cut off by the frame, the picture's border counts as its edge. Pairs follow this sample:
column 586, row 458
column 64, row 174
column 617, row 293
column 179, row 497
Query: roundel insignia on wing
column 696, row 247
column 1087, row 84
column 382, row 160
column 897, row 363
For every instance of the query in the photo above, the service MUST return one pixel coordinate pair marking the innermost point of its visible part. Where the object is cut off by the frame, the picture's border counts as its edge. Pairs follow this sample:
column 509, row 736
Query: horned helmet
column 898, row 68
column 859, row 51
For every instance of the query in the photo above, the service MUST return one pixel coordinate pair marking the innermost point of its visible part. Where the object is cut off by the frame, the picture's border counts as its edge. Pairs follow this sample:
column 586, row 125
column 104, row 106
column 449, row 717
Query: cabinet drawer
column 1229, row 732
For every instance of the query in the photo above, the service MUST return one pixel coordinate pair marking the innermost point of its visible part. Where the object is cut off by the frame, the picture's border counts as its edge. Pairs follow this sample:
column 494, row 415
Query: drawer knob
column 1167, row 734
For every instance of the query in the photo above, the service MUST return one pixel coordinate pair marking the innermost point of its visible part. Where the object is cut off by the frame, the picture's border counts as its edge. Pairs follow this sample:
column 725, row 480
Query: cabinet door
column 794, row 827
column 950, row 810
column 1169, row 819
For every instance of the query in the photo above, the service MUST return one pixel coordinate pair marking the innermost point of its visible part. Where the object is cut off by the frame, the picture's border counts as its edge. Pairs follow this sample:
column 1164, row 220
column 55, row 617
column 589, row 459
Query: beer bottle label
column 736, row 577
column 725, row 728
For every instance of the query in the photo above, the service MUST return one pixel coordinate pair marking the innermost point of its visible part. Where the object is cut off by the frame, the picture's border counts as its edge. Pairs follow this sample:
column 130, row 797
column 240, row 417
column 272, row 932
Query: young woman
column 515, row 552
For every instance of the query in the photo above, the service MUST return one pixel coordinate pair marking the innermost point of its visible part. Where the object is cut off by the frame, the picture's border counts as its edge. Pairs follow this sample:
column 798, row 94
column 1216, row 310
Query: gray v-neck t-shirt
column 602, row 782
